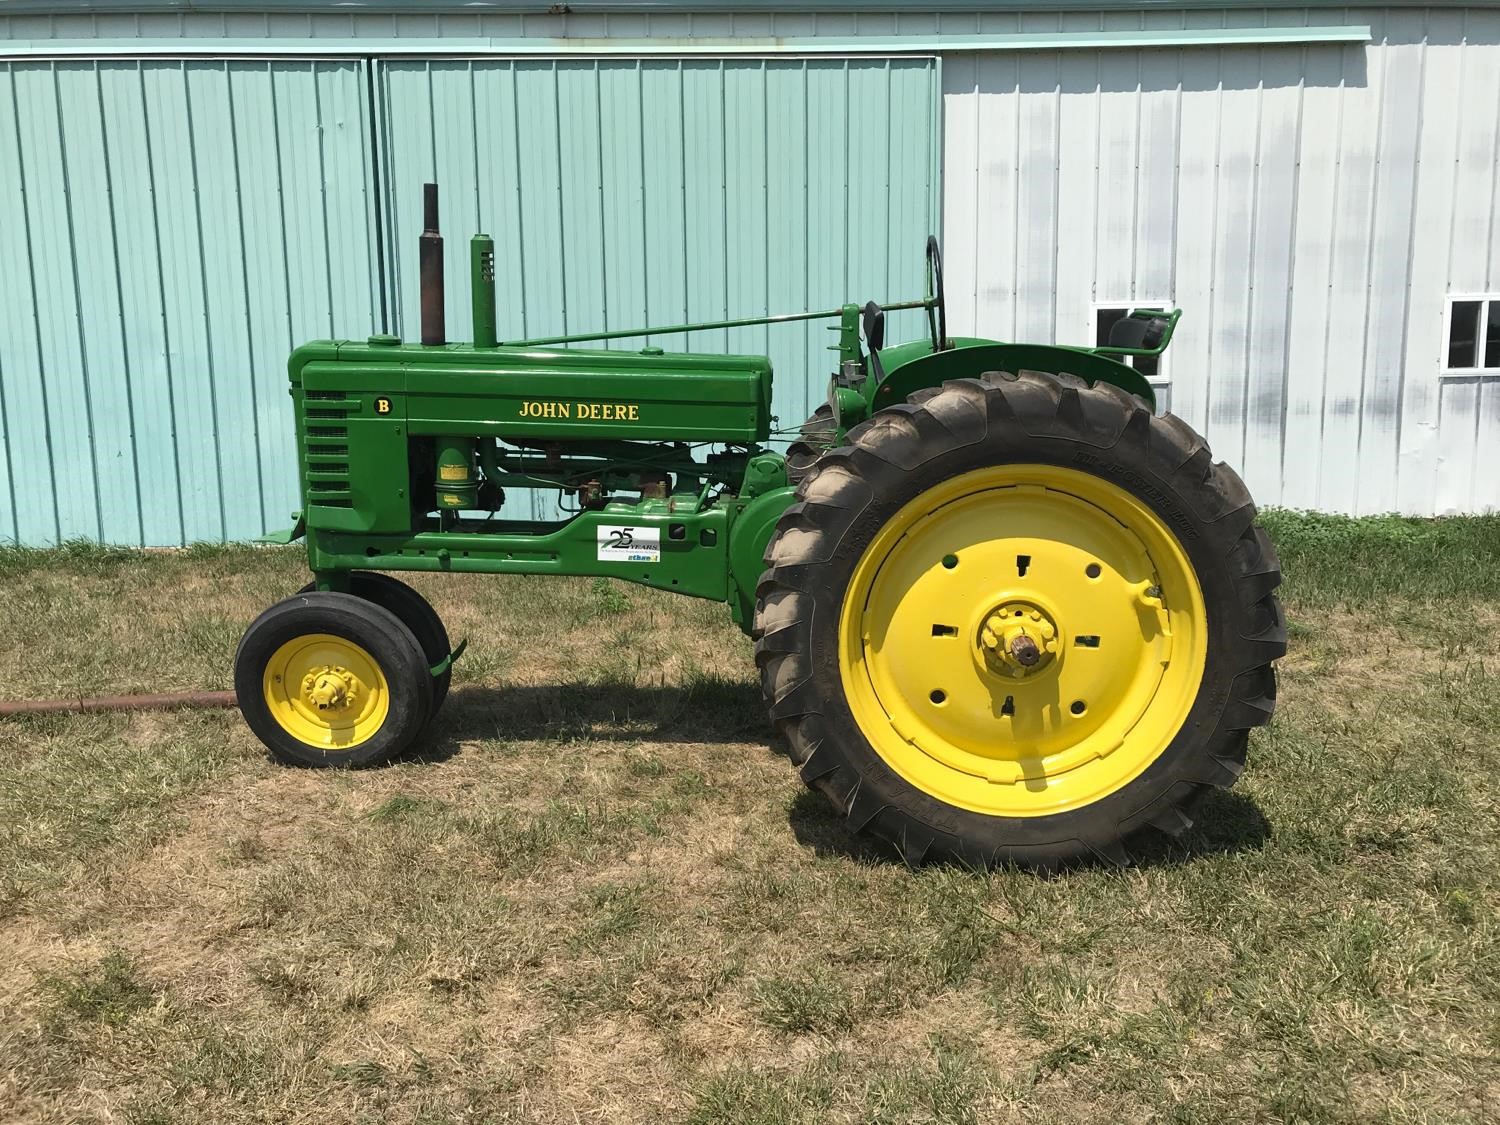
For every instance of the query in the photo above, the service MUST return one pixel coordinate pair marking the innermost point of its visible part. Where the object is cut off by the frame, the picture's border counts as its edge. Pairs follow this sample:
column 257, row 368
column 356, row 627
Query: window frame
column 1445, row 343
column 1163, row 376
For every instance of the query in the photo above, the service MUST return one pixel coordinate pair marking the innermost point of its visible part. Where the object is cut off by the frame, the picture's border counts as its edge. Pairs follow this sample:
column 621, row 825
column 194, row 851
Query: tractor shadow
column 720, row 710
column 708, row 709
column 1225, row 823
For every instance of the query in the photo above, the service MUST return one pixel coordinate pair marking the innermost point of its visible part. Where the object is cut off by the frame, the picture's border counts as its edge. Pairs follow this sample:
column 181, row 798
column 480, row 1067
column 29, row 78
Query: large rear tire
column 1017, row 620
column 815, row 437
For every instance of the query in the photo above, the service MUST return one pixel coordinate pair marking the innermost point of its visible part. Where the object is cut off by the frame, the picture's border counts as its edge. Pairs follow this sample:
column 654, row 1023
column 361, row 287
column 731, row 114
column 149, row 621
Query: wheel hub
column 1018, row 640
column 329, row 688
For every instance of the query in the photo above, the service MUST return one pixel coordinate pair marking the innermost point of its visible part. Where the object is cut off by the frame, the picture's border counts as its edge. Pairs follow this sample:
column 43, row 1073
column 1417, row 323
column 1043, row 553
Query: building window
column 1108, row 313
column 1472, row 339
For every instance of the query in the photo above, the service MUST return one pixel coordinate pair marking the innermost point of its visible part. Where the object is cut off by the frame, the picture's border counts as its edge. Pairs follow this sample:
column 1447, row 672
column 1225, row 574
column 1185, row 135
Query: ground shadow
column 822, row 829
column 709, row 709
column 1225, row 823
column 720, row 710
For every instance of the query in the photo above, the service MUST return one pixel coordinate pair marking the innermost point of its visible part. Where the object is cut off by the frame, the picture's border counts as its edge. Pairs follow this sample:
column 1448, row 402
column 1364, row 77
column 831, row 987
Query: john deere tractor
column 1003, row 611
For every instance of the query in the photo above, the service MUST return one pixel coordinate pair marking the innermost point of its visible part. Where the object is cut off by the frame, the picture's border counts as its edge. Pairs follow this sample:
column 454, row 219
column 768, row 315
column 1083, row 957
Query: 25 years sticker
column 630, row 544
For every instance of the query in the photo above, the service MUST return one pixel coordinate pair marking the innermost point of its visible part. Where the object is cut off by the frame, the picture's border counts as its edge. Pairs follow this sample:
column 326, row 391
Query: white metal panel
column 1395, row 226
column 1036, row 188
column 1274, row 221
column 1309, row 207
column 1468, row 436
column 1238, row 99
column 1308, row 340
column 1197, row 162
column 1416, row 462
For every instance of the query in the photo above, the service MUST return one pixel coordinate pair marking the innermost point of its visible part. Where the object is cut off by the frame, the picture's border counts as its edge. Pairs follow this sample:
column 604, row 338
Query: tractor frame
column 405, row 449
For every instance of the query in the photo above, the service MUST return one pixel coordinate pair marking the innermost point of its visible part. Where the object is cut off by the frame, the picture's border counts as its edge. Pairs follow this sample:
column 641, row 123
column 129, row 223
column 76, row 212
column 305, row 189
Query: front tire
column 1018, row 619
column 332, row 680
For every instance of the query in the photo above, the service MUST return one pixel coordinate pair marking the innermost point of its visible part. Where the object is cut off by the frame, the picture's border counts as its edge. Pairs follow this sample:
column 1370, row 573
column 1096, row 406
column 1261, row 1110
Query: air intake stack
column 482, row 289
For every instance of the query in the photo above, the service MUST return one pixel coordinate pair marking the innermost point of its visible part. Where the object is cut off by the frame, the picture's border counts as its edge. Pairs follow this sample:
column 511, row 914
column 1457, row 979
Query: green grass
column 108, row 993
column 1335, row 560
column 599, row 893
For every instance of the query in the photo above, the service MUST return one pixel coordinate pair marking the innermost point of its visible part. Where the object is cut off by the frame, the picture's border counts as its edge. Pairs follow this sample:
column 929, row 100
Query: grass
column 600, row 894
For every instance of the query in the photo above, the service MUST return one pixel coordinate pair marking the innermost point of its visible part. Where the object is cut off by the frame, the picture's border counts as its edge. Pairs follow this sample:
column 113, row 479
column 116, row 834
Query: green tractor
column 1003, row 612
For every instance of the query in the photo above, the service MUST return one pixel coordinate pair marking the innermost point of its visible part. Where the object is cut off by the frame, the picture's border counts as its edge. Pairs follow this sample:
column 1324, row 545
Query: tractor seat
column 1141, row 329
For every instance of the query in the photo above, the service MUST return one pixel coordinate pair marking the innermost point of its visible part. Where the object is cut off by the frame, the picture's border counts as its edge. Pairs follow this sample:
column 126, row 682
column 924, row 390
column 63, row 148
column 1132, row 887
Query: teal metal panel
column 654, row 191
column 23, row 403
column 173, row 228
column 142, row 347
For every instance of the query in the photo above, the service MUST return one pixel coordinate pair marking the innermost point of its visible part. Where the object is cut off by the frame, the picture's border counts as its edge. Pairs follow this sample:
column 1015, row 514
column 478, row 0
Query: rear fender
column 911, row 367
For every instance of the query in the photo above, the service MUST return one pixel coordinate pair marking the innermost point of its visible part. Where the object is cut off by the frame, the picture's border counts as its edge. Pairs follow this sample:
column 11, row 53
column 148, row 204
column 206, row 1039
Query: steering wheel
column 937, row 312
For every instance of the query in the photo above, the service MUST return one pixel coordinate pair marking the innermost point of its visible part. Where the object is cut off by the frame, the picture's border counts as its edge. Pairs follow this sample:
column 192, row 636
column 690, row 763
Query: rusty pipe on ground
column 199, row 700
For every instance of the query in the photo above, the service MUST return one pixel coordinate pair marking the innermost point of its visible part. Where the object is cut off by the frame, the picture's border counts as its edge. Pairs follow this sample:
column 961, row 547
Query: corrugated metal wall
column 1308, row 207
column 1289, row 199
column 169, row 231
column 186, row 223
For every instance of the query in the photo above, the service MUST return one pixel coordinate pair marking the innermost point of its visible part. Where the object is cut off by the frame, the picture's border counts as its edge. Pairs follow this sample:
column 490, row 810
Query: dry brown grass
column 601, row 894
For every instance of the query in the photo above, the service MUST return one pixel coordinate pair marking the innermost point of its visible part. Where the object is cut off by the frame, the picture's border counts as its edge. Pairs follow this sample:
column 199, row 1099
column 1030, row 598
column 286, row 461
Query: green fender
column 911, row 367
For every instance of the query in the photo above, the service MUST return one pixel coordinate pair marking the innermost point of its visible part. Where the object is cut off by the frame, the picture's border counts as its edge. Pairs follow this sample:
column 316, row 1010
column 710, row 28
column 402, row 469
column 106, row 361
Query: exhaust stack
column 430, row 260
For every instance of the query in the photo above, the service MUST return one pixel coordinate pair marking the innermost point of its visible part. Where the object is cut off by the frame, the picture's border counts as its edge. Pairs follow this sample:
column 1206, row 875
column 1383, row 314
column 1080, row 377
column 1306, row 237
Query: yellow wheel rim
column 326, row 691
column 1022, row 640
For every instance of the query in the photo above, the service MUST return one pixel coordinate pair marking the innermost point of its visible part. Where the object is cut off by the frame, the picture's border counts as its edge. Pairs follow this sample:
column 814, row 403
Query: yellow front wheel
column 327, row 679
column 1018, row 619
column 326, row 691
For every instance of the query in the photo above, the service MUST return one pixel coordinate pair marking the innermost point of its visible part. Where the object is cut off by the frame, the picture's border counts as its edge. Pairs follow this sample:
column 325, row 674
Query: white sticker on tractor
column 630, row 544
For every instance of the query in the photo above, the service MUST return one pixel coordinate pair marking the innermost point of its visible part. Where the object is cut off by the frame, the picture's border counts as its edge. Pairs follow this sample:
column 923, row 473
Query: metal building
column 187, row 190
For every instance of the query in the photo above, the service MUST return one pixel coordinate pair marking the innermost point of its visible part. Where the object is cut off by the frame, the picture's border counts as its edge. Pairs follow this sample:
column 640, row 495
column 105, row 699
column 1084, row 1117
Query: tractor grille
column 325, row 448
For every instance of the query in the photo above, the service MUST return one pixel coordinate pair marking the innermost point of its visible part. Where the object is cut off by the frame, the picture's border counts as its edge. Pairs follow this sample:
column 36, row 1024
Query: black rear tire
column 816, row 436
column 1034, row 418
column 382, row 635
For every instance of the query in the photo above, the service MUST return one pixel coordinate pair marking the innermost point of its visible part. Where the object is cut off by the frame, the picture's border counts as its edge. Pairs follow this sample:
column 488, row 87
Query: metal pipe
column 746, row 322
column 430, row 262
column 193, row 699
